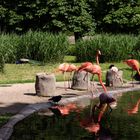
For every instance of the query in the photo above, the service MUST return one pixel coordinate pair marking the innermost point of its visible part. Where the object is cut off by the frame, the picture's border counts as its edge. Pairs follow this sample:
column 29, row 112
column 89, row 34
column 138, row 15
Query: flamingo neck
column 97, row 59
column 100, row 80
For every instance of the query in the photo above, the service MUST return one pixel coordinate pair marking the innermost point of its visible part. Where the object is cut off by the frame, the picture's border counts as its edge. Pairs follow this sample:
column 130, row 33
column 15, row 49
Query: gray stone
column 5, row 133
column 80, row 81
column 114, row 79
column 27, row 111
column 45, row 84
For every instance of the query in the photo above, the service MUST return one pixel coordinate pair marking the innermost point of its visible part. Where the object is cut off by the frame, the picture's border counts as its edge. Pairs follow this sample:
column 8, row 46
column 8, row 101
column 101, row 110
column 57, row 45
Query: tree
column 70, row 16
column 123, row 17
column 116, row 15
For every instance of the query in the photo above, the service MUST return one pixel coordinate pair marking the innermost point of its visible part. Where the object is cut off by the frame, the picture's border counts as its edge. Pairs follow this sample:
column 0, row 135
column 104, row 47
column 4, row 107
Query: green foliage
column 8, row 44
column 43, row 47
column 127, row 17
column 82, row 16
column 2, row 62
column 40, row 46
column 70, row 16
column 116, row 16
column 114, row 48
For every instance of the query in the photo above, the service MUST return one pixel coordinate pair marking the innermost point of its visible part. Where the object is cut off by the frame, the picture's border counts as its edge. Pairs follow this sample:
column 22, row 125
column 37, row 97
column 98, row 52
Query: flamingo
column 93, row 69
column 105, row 101
column 66, row 67
column 134, row 64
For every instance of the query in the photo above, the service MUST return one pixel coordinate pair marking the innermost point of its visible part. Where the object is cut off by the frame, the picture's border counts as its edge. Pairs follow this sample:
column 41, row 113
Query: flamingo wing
column 85, row 66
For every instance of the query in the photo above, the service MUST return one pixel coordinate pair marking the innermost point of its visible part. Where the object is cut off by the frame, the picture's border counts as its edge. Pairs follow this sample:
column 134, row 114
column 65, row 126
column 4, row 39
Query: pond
column 122, row 123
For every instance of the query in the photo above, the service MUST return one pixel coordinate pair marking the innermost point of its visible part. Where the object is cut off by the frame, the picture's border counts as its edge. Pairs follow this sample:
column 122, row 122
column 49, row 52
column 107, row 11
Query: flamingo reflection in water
column 135, row 109
column 66, row 109
column 89, row 123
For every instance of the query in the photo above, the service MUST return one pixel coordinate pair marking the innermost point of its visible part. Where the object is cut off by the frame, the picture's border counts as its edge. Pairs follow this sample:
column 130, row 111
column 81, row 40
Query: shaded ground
column 14, row 97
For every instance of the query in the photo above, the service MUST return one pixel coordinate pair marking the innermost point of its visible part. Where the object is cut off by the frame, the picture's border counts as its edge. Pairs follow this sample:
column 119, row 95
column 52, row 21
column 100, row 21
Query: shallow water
column 122, row 124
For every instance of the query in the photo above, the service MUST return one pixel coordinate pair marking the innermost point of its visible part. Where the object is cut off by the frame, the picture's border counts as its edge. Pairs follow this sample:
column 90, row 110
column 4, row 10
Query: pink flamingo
column 66, row 67
column 134, row 64
column 93, row 69
column 105, row 101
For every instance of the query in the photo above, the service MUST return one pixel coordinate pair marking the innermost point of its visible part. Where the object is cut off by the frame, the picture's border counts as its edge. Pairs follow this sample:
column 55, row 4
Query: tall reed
column 114, row 48
column 42, row 46
column 8, row 44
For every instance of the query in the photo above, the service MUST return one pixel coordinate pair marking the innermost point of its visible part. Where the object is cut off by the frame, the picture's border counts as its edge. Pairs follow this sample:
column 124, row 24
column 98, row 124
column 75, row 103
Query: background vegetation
column 79, row 17
column 37, row 30
column 114, row 48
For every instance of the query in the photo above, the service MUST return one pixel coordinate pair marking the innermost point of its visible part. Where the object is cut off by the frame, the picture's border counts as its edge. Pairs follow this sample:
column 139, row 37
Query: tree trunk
column 77, row 36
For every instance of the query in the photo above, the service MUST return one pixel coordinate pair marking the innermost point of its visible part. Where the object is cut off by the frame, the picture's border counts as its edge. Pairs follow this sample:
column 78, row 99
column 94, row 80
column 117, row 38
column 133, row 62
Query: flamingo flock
column 95, row 69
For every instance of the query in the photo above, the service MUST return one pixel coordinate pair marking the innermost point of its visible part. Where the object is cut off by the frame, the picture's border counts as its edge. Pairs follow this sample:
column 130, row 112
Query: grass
column 4, row 118
column 25, row 73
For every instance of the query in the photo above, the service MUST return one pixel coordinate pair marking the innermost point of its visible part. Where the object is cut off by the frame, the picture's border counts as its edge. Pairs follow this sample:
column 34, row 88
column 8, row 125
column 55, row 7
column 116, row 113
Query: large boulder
column 80, row 81
column 45, row 84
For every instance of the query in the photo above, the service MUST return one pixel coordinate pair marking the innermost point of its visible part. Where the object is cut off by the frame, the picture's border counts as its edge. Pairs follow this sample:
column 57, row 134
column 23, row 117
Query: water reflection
column 134, row 109
column 69, row 122
column 66, row 109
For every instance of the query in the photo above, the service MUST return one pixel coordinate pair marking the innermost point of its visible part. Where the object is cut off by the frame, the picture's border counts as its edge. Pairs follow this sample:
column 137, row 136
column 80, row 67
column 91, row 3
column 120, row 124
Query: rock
column 114, row 79
column 79, row 82
column 45, row 84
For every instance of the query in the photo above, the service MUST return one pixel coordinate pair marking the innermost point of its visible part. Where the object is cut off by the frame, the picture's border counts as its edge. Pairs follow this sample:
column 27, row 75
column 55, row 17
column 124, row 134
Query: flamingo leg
column 93, row 109
column 132, row 79
column 64, row 77
column 103, row 86
column 69, row 80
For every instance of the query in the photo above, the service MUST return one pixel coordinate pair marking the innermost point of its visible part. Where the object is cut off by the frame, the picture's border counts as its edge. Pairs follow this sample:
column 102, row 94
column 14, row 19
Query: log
column 45, row 84
column 78, row 81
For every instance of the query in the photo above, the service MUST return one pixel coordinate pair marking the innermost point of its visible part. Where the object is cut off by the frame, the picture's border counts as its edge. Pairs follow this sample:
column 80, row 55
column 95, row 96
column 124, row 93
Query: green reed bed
column 40, row 46
column 44, row 47
column 114, row 48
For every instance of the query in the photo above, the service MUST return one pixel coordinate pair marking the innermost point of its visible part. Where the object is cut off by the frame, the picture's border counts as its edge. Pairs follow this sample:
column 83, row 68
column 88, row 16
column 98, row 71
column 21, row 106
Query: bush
column 114, row 48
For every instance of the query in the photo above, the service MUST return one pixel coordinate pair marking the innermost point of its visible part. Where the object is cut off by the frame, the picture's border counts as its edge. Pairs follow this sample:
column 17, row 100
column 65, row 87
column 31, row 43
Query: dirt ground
column 15, row 97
